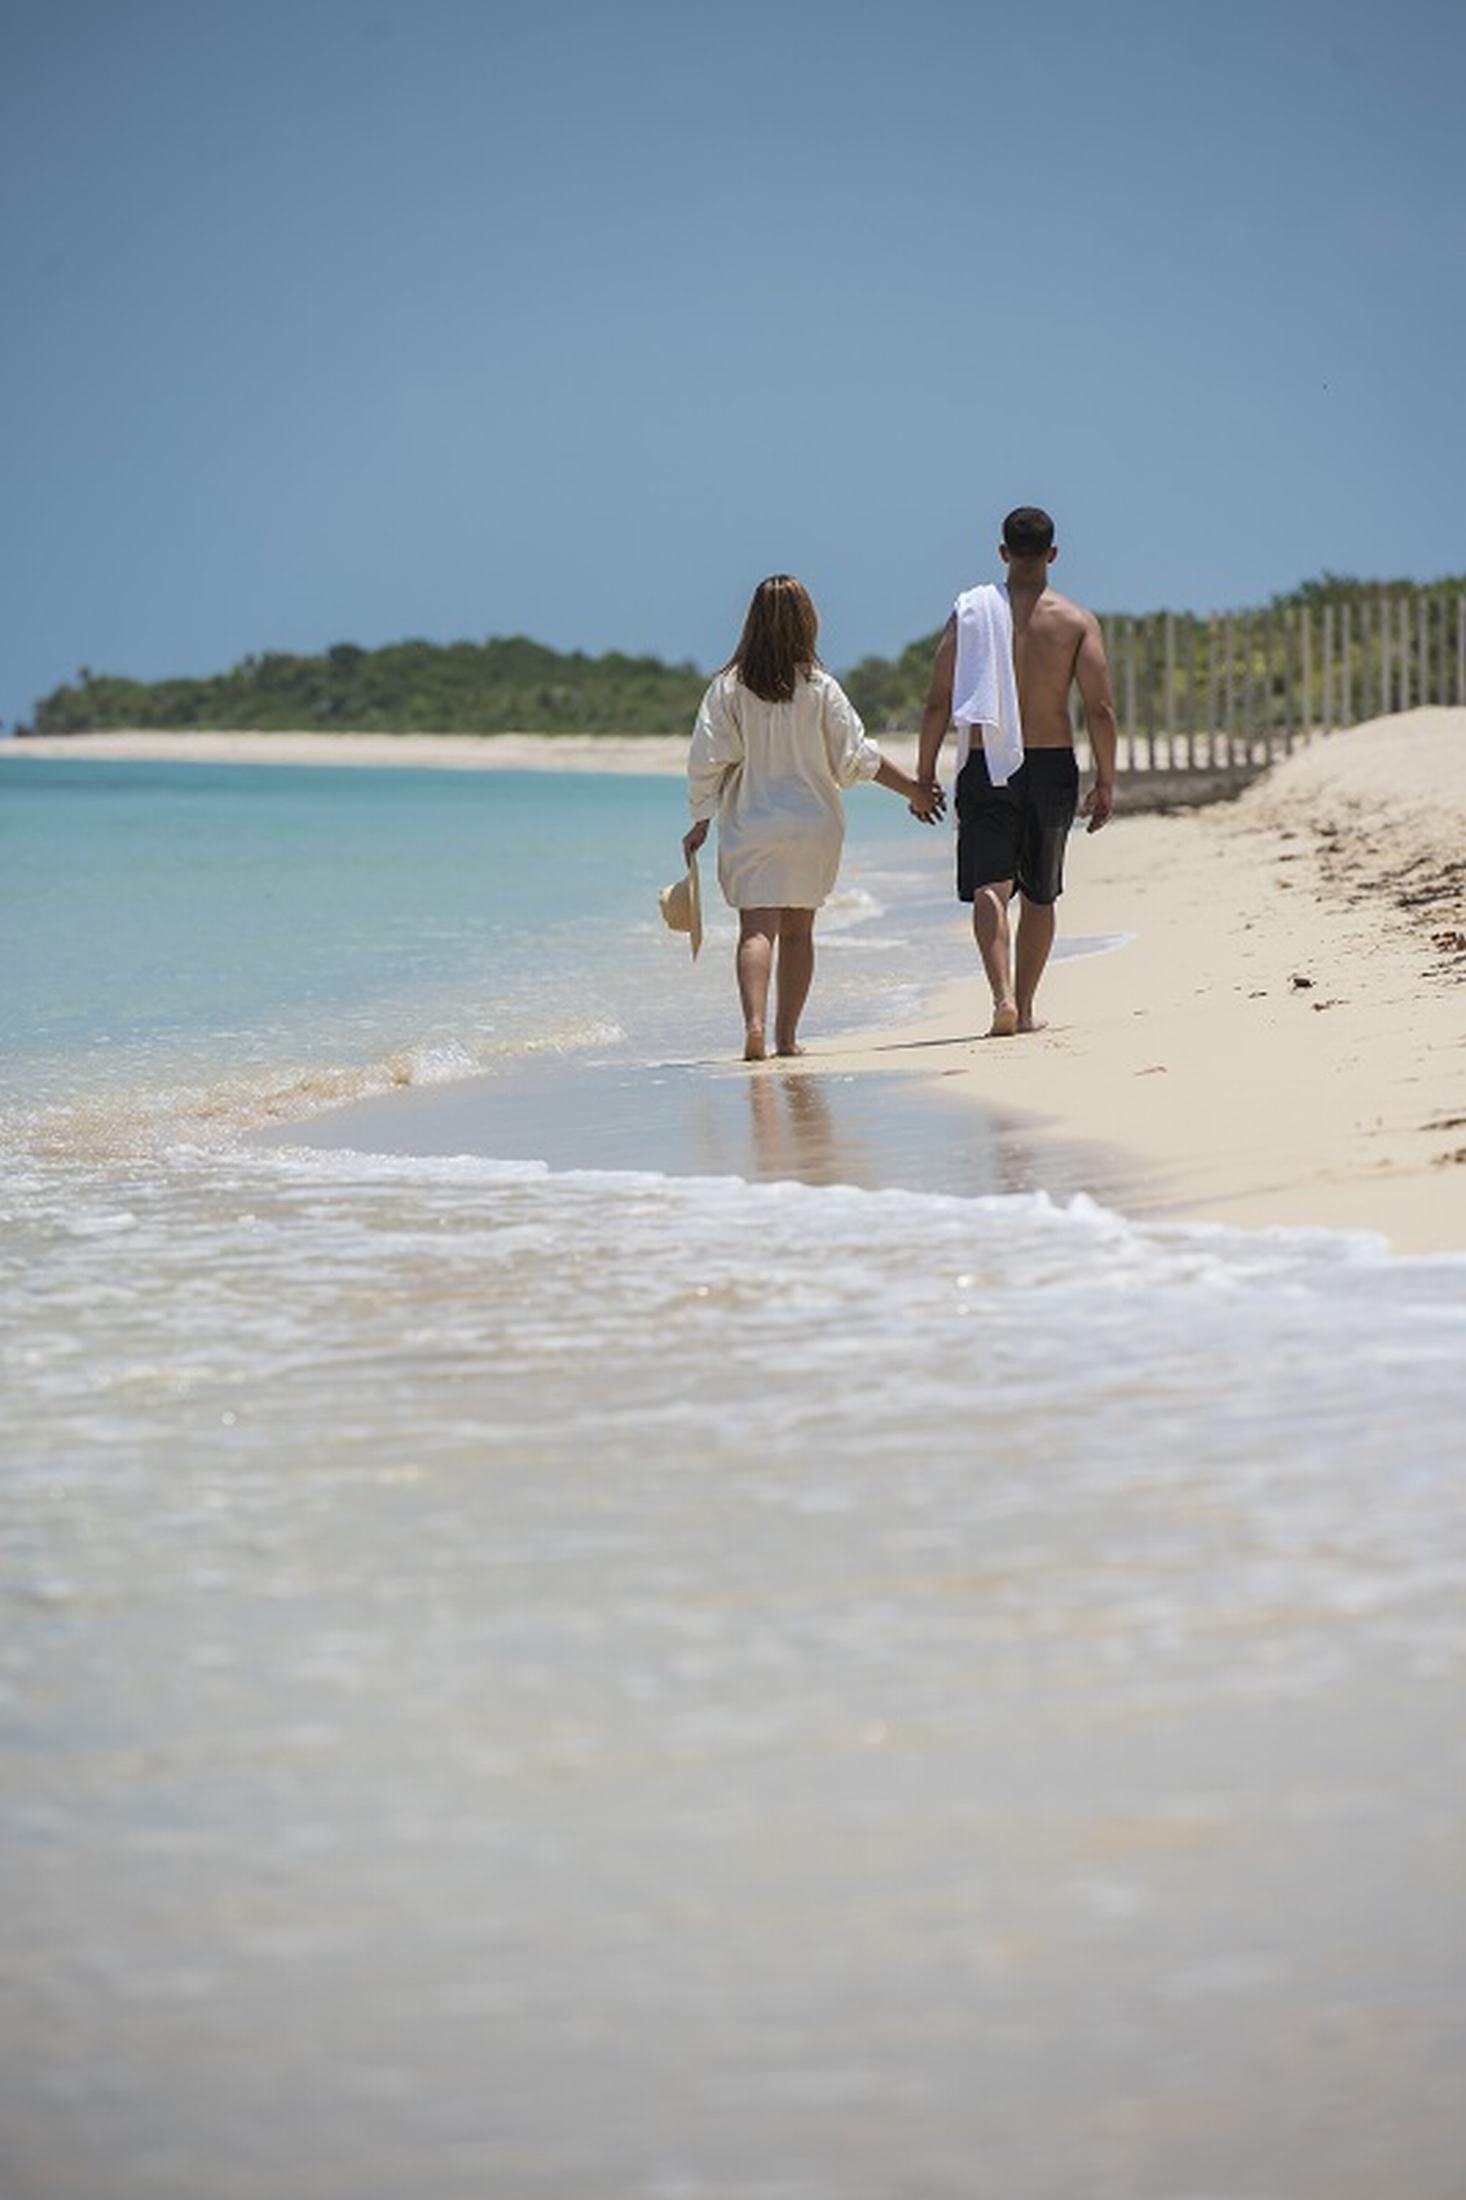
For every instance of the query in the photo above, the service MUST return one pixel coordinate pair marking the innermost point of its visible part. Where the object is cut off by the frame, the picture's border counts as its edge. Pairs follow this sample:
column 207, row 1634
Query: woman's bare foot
column 785, row 1047
column 754, row 1049
column 1005, row 1021
column 1027, row 1021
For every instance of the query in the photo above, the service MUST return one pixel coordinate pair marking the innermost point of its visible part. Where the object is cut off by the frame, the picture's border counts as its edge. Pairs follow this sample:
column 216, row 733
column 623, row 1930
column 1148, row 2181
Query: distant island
column 500, row 686
column 515, row 685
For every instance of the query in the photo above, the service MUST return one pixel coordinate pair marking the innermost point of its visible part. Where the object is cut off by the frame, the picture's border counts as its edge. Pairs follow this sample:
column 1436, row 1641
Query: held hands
column 1098, row 805
column 927, row 802
column 692, row 841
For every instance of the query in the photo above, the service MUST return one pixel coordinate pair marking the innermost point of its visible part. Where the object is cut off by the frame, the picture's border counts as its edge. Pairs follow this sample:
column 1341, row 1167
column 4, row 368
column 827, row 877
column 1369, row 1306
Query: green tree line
column 499, row 686
column 514, row 685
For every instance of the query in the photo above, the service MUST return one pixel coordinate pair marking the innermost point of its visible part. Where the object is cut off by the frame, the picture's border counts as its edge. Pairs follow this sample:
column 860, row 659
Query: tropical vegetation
column 516, row 685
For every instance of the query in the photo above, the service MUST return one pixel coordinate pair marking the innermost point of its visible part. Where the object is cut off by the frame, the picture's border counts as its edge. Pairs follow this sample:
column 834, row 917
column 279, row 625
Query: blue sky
column 332, row 321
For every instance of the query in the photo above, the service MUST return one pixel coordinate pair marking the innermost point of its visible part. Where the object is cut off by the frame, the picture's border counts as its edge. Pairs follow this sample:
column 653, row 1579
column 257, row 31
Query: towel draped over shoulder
column 984, row 684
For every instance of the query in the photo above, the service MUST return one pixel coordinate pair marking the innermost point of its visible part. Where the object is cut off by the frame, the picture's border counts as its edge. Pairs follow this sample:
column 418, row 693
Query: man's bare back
column 1048, row 634
column 1055, row 643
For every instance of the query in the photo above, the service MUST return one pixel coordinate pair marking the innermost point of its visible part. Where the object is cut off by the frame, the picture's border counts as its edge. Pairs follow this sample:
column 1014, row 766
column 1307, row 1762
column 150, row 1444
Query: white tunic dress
column 771, row 774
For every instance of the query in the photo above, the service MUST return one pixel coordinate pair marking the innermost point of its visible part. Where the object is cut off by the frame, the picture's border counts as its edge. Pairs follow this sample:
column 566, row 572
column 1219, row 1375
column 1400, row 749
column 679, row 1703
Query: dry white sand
column 1283, row 1037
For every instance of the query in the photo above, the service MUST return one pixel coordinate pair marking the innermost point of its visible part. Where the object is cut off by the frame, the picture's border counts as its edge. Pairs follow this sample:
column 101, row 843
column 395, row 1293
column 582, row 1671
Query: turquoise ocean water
column 192, row 928
column 525, row 1676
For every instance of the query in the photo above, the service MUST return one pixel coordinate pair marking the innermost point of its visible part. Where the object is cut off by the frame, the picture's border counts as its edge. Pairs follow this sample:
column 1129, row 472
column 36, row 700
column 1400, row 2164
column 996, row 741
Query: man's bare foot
column 1005, row 1021
column 1027, row 1021
column 785, row 1047
column 754, row 1049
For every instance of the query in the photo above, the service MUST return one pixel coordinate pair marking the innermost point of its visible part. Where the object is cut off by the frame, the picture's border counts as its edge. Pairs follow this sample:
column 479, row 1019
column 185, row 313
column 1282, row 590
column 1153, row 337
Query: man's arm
column 937, row 716
column 1093, row 674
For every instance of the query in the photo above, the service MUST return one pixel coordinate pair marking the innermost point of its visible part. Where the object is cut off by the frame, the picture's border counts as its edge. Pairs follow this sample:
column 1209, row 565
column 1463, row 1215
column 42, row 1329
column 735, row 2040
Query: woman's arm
column 924, row 798
column 853, row 755
column 849, row 751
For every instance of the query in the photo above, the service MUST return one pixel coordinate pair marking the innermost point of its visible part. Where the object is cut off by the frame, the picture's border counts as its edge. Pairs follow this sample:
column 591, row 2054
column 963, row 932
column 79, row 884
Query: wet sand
column 780, row 1123
column 1279, row 1040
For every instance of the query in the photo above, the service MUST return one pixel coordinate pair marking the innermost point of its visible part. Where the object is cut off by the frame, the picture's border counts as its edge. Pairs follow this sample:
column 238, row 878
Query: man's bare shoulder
column 1063, row 611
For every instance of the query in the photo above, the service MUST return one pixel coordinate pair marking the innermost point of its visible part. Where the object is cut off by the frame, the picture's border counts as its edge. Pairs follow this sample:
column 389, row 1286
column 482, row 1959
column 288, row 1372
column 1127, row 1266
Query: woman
column 775, row 741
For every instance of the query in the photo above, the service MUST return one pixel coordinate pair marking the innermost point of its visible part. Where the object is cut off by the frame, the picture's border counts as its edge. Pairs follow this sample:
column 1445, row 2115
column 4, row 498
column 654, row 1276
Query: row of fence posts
column 1234, row 691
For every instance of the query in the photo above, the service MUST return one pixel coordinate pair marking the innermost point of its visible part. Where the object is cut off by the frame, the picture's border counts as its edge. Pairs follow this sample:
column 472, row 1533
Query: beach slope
column 1281, row 1039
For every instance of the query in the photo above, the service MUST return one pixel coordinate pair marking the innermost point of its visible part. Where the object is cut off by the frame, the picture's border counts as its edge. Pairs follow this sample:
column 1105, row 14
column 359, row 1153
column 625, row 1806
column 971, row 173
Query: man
column 1017, row 785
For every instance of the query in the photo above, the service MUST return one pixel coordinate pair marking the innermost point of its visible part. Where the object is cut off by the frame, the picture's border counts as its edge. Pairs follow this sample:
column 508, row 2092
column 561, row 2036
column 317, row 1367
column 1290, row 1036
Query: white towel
column 984, row 687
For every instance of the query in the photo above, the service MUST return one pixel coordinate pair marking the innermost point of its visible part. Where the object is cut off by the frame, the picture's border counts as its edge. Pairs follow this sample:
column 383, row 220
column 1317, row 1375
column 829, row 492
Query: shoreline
column 648, row 755
column 662, row 755
column 1281, row 1040
column 652, row 755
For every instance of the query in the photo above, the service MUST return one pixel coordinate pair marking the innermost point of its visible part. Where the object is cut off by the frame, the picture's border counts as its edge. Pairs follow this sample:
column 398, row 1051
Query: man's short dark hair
column 1028, row 532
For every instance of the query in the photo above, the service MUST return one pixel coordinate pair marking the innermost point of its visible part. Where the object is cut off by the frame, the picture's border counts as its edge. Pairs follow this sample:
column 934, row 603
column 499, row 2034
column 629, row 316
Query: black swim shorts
column 1018, row 831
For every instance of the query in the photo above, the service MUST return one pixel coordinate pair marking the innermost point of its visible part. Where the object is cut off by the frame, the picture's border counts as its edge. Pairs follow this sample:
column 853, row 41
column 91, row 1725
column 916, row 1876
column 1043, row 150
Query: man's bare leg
column 796, row 975
column 995, row 945
column 1037, row 923
column 757, row 929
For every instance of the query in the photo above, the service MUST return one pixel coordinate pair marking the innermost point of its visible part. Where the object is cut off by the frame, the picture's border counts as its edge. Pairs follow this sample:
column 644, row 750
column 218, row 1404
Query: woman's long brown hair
column 778, row 638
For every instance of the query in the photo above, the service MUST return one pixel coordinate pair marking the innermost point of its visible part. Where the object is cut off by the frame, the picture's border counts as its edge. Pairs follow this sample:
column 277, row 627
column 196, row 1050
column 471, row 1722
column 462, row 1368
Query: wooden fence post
column 1422, row 655
column 1240, row 643
column 1328, row 668
column 1290, row 674
column 1130, row 693
column 1346, row 663
column 1240, row 687
column 1403, row 653
column 1189, row 676
column 1249, row 689
column 1271, row 638
column 1170, row 690
column 1305, row 672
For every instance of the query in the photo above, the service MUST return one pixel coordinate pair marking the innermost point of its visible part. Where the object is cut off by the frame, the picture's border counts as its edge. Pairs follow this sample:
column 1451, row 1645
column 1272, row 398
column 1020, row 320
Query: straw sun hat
column 682, row 906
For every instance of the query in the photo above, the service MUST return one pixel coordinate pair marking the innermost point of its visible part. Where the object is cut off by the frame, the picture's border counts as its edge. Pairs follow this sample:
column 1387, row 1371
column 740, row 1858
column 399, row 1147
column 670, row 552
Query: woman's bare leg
column 796, row 975
column 757, row 930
